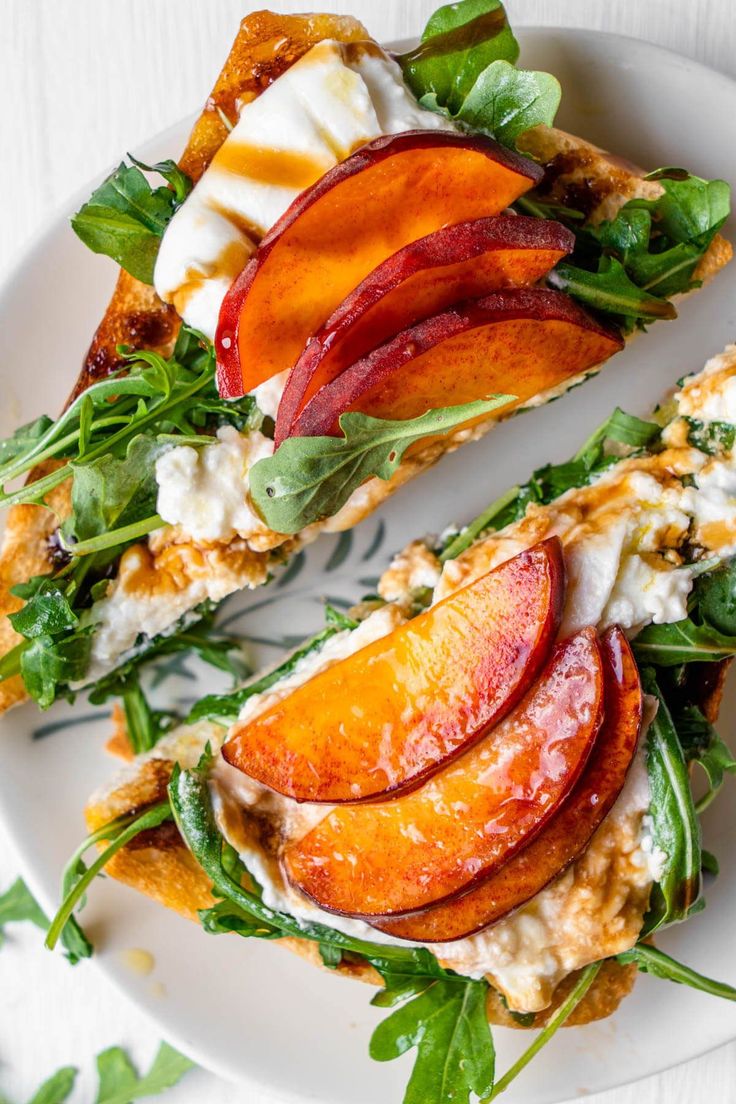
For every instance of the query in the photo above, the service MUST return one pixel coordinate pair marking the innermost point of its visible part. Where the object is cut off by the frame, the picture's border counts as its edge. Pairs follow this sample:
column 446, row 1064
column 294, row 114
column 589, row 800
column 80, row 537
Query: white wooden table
column 81, row 81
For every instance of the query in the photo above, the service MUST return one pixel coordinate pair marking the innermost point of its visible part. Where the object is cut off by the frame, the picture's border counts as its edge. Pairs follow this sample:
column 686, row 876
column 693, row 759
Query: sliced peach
column 567, row 834
column 390, row 192
column 464, row 261
column 521, row 342
column 470, row 818
column 390, row 715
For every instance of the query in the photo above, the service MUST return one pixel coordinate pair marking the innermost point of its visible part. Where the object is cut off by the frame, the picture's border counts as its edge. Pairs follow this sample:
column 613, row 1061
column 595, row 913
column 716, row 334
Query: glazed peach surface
column 463, row 261
column 470, row 818
column 567, row 834
column 390, row 192
column 390, row 715
column 520, row 341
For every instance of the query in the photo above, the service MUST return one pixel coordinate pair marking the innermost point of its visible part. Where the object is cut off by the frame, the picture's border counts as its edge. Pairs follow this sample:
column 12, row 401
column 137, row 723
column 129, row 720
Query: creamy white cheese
column 710, row 395
column 206, row 490
column 334, row 99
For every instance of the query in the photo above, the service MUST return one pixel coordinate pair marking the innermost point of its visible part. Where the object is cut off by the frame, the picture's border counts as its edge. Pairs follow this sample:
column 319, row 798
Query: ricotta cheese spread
column 205, row 490
column 337, row 97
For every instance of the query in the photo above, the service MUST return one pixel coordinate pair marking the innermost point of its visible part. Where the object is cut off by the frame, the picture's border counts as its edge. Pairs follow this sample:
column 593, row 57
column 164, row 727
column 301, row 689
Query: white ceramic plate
column 249, row 1010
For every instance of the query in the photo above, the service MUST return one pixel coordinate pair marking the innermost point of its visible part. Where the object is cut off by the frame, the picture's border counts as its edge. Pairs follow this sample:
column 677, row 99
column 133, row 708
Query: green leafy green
column 675, row 828
column 78, row 876
column 448, row 1025
column 458, row 43
column 115, row 492
column 309, row 478
column 57, row 1088
column 125, row 217
column 17, row 905
column 610, row 290
column 630, row 266
column 120, row 1083
column 505, row 101
column 655, row 962
column 549, row 482
column 109, row 440
column 711, row 437
column 683, row 642
column 464, row 68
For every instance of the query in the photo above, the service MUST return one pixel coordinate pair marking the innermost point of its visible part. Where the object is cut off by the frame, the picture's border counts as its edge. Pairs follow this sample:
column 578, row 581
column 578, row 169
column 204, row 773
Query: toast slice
column 158, row 863
column 266, row 45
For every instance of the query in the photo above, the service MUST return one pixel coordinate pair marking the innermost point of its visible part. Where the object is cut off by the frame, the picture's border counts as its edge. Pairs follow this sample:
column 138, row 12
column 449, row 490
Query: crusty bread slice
column 158, row 864
column 577, row 173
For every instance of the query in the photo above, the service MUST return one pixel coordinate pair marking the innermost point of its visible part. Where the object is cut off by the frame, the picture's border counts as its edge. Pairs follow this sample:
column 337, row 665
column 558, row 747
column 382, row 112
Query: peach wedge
column 384, row 719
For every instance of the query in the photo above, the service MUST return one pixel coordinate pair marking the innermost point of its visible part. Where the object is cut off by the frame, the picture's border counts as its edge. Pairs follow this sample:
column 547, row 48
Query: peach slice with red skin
column 473, row 816
column 520, row 341
column 464, row 261
column 386, row 718
column 567, row 834
column 390, row 192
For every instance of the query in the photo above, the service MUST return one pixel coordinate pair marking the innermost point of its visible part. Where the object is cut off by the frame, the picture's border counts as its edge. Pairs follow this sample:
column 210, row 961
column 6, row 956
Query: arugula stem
column 464, row 539
column 581, row 987
column 151, row 818
column 116, row 536
column 31, row 492
column 10, row 662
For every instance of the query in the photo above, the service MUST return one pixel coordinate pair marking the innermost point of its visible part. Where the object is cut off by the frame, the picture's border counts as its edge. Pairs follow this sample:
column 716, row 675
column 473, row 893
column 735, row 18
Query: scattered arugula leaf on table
column 118, row 1080
column 17, row 905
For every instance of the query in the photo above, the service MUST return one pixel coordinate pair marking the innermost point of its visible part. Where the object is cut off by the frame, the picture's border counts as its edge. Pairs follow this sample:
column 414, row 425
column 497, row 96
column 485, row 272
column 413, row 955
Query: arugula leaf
column 309, row 478
column 125, row 217
column 610, row 290
column 655, row 962
column 78, row 876
column 49, row 664
column 57, row 1088
column 549, row 482
column 714, row 598
column 25, row 437
column 18, row 904
column 46, row 609
column 691, row 209
column 711, row 437
column 448, row 1025
column 112, row 493
column 505, row 101
column 120, row 1084
column 457, row 44
column 675, row 826
column 683, row 642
